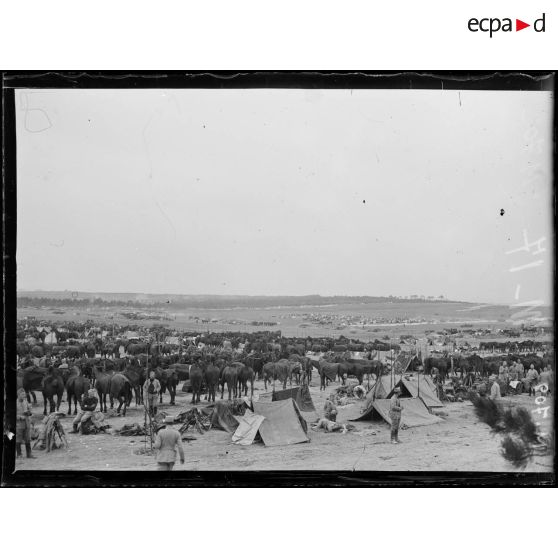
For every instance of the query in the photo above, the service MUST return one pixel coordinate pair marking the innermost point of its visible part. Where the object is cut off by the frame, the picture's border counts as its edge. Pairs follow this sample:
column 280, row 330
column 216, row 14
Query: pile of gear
column 345, row 394
column 200, row 420
column 51, row 434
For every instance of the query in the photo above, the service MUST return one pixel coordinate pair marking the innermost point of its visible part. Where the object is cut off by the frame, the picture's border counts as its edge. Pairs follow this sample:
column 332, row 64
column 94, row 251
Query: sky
column 286, row 192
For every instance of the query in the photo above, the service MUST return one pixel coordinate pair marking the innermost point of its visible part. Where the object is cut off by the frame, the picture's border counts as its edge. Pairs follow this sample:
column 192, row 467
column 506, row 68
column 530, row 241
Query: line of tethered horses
column 208, row 367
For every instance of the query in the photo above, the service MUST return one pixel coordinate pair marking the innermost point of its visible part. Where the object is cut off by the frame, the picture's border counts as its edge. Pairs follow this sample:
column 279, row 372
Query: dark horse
column 53, row 385
column 32, row 380
column 196, row 379
column 212, row 374
column 136, row 377
column 168, row 378
column 245, row 375
column 102, row 385
column 121, row 389
column 76, row 386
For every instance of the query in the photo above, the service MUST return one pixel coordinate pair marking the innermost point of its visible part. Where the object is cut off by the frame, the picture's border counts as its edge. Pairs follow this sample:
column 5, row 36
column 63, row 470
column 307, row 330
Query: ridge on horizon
column 23, row 292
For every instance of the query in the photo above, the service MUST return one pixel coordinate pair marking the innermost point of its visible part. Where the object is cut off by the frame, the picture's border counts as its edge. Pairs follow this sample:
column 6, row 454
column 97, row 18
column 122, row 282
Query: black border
column 492, row 80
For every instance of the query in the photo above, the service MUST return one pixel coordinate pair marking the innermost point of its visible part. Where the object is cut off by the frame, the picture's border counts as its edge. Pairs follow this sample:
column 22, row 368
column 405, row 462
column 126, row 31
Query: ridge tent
column 283, row 424
column 303, row 399
column 423, row 388
column 380, row 389
column 414, row 412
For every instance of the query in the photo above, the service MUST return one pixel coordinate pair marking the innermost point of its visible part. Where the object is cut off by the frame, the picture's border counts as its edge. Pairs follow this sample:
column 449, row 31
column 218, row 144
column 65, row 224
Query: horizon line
column 403, row 297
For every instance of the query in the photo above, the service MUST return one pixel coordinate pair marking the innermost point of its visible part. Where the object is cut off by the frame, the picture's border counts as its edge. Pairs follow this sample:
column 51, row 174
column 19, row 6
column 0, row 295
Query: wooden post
column 392, row 365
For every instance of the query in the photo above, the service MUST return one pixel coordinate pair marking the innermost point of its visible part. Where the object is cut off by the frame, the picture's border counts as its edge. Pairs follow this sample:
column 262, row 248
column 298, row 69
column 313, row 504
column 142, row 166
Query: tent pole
column 392, row 365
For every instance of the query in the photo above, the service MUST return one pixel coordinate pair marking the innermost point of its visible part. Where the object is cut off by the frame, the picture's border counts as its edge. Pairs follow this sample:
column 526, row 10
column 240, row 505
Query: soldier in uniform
column 395, row 415
column 23, row 424
column 151, row 390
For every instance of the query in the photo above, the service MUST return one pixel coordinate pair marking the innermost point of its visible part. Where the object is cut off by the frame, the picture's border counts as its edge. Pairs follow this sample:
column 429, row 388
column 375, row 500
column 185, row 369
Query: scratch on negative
column 166, row 217
column 359, row 457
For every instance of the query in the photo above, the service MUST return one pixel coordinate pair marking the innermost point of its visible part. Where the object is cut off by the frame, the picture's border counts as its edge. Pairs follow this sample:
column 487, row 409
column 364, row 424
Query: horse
column 102, row 385
column 76, row 386
column 196, row 379
column 229, row 376
column 327, row 371
column 168, row 379
column 211, row 376
column 32, row 380
column 136, row 377
column 246, row 375
column 53, row 385
column 121, row 389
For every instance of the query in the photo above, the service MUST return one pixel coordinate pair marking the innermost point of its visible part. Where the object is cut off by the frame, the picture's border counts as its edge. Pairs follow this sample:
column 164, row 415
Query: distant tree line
column 215, row 303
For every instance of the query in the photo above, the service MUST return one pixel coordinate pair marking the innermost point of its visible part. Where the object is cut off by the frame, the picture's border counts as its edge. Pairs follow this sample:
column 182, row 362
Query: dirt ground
column 459, row 443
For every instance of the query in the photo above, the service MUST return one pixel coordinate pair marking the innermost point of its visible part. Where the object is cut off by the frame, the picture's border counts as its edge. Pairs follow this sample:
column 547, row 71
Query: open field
column 392, row 319
column 459, row 443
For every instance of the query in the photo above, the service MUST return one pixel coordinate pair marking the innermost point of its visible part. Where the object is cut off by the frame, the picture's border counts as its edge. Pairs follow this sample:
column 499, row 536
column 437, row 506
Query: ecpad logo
column 492, row 25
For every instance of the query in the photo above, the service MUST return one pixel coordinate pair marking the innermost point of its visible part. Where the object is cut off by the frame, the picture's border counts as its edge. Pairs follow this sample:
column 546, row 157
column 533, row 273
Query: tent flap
column 248, row 426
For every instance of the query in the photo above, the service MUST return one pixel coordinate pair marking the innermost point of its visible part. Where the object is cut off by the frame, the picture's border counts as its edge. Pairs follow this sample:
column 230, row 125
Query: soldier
column 151, row 390
column 23, row 424
column 495, row 394
column 167, row 442
column 330, row 410
column 395, row 415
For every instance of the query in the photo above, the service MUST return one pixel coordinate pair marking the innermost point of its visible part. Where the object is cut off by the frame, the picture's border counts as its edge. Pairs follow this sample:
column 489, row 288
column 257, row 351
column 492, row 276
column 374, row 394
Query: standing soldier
column 23, row 424
column 167, row 442
column 531, row 379
column 495, row 393
column 395, row 415
column 151, row 390
column 520, row 369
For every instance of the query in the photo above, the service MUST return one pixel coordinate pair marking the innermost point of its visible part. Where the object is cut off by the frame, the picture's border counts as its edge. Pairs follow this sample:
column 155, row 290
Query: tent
column 283, row 424
column 403, row 361
column 50, row 338
column 225, row 414
column 380, row 389
column 422, row 387
column 414, row 412
column 301, row 395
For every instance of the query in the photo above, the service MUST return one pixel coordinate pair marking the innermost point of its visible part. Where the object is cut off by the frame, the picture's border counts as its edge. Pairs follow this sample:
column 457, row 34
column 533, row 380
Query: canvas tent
column 403, row 361
column 282, row 425
column 414, row 412
column 303, row 399
column 226, row 414
column 422, row 387
column 50, row 338
column 380, row 389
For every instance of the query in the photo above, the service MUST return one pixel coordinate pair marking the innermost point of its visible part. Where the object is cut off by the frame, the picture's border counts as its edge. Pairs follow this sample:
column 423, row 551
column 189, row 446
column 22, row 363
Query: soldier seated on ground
column 330, row 410
column 88, row 421
column 330, row 426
